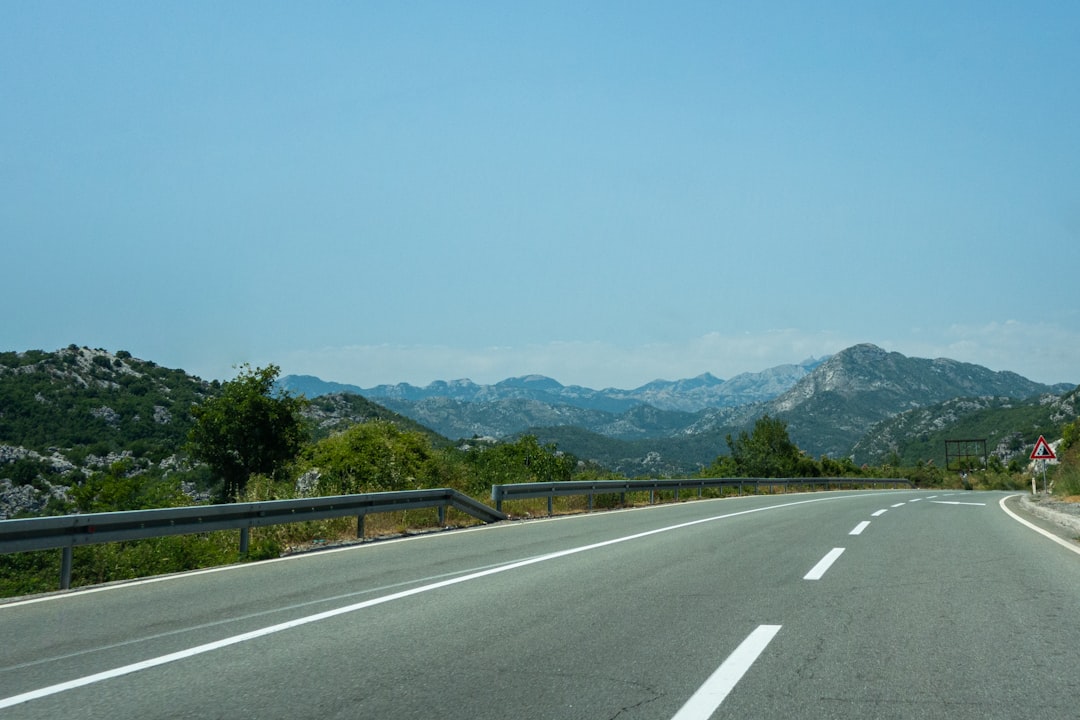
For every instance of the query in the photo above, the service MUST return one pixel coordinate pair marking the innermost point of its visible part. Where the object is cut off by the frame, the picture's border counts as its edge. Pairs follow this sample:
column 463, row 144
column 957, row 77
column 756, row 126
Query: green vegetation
column 247, row 429
column 1066, row 474
column 765, row 452
column 81, row 400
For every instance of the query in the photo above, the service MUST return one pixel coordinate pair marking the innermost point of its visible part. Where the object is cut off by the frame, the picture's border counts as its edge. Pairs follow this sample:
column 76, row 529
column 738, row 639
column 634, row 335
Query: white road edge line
column 818, row 570
column 703, row 703
column 879, row 513
column 6, row 702
column 1063, row 543
column 857, row 530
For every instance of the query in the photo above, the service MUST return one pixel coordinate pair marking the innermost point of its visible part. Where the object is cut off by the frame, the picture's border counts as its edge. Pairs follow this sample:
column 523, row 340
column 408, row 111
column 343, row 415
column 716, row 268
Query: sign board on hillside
column 1042, row 450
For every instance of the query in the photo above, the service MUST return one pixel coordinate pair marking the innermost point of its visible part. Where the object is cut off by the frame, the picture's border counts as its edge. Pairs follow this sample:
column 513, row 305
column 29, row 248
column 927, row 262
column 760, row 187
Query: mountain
column 688, row 395
column 830, row 409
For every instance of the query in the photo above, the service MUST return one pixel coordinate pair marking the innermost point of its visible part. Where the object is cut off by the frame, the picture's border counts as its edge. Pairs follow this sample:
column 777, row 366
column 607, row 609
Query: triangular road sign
column 1042, row 450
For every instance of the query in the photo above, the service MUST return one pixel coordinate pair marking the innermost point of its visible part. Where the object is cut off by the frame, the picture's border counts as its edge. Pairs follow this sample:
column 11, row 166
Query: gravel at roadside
column 1064, row 514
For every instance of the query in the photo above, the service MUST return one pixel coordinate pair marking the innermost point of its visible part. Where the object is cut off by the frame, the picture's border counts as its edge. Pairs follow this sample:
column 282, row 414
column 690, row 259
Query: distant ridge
column 686, row 395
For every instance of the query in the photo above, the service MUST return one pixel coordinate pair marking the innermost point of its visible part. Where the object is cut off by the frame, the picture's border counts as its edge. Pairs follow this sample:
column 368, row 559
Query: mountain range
column 680, row 426
column 689, row 395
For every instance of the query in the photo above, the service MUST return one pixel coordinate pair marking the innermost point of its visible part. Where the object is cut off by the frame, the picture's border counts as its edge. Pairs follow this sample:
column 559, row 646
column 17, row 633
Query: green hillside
column 87, row 401
column 1009, row 427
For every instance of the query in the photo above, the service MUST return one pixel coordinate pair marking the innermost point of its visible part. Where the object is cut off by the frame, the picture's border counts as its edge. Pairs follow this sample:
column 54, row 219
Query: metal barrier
column 551, row 490
column 70, row 531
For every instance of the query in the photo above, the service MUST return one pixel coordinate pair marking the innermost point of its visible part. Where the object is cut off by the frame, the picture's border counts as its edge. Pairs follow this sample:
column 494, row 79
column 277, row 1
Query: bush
column 23, row 471
column 1069, row 435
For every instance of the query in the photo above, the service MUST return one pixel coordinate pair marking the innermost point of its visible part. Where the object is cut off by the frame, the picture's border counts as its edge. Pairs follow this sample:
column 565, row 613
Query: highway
column 876, row 604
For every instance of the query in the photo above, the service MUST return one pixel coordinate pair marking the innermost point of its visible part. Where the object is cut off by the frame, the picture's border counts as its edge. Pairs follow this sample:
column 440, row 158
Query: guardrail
column 70, row 531
column 551, row 490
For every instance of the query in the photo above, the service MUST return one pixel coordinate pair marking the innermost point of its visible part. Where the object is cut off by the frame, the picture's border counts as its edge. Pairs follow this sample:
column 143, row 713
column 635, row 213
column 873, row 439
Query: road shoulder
column 1060, row 519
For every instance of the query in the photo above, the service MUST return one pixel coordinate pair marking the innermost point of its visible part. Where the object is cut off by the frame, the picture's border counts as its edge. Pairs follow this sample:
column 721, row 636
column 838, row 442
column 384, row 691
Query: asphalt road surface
column 880, row 604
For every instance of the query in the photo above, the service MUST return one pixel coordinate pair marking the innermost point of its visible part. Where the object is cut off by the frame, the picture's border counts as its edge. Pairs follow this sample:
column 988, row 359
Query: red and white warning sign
column 1042, row 450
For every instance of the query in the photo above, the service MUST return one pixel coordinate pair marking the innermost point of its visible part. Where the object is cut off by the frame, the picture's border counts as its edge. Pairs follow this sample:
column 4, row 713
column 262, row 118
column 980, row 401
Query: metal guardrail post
column 360, row 527
column 65, row 567
column 442, row 516
column 245, row 540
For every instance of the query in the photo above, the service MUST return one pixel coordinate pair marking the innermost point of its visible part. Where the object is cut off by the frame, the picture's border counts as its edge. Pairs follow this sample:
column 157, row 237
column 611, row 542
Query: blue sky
column 603, row 192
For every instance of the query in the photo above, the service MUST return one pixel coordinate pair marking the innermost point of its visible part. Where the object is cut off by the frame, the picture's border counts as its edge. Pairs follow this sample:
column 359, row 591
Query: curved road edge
column 1062, row 528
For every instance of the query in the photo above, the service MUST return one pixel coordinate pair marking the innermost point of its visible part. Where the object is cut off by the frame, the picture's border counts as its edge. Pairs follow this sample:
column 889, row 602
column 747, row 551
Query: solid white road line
column 860, row 527
column 879, row 513
column 703, row 703
column 824, row 564
column 1063, row 543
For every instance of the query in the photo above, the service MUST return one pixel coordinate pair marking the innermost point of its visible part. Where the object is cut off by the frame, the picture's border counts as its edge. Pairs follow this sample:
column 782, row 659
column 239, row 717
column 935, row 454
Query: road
column 880, row 604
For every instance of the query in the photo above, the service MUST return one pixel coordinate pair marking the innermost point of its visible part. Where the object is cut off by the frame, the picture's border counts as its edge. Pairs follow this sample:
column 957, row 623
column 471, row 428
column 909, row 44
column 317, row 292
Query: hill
column 331, row 413
column 1009, row 427
column 93, row 402
column 67, row 414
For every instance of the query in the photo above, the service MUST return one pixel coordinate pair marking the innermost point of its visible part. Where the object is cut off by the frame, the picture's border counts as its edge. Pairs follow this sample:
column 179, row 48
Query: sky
column 606, row 193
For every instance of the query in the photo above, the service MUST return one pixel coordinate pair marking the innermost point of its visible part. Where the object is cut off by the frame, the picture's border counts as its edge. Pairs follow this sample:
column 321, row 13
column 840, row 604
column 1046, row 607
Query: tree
column 249, row 428
column 767, row 451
